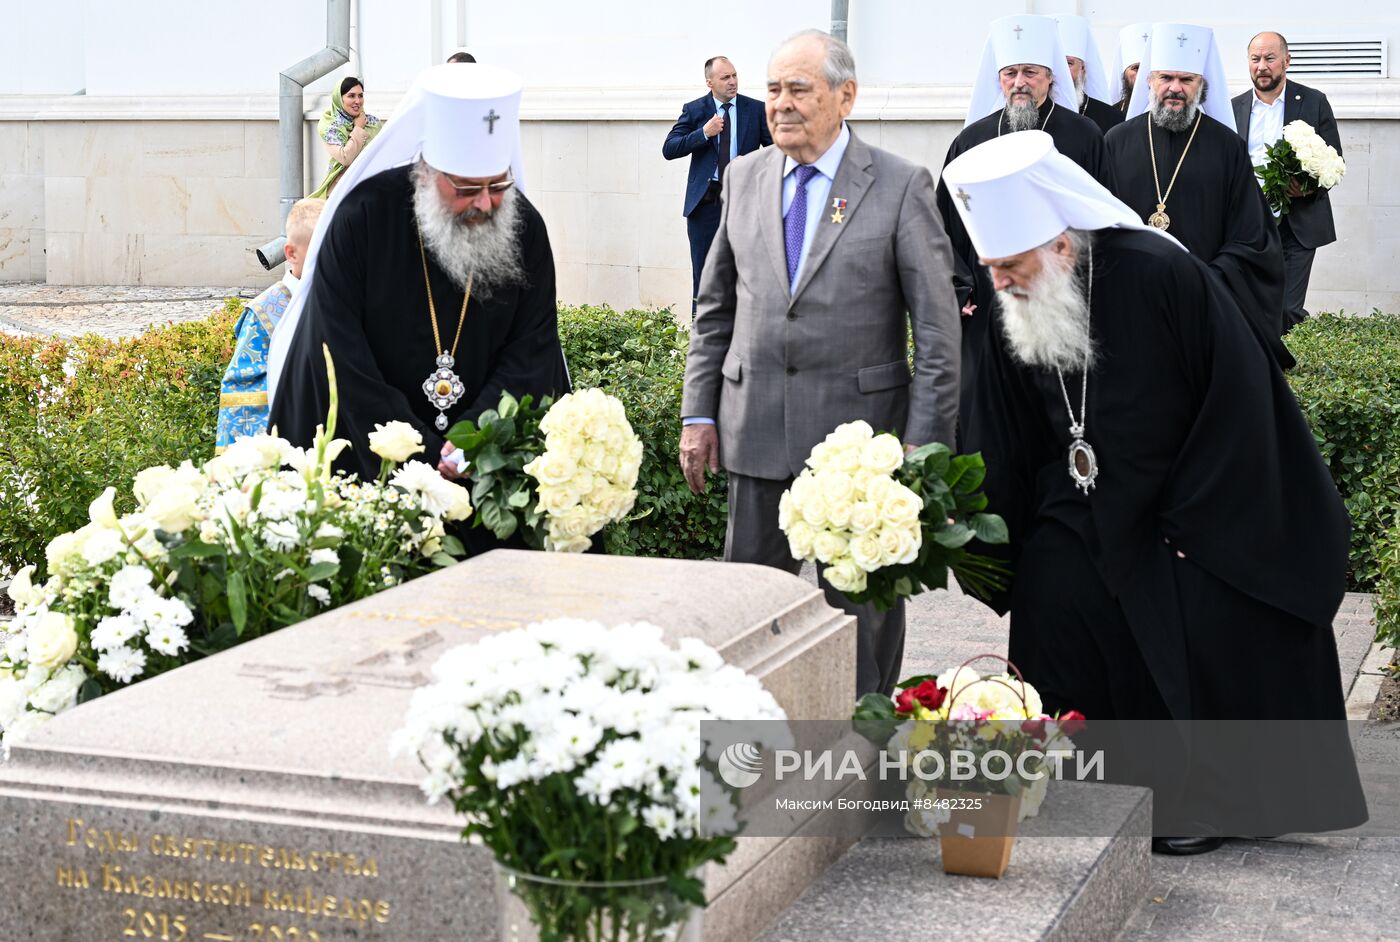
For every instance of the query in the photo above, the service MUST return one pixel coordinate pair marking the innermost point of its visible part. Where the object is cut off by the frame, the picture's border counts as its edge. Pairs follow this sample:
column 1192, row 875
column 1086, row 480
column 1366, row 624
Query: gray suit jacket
column 1310, row 217
column 778, row 370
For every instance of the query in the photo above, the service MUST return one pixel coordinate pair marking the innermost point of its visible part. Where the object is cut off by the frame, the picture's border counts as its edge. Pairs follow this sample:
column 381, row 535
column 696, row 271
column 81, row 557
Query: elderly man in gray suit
column 827, row 250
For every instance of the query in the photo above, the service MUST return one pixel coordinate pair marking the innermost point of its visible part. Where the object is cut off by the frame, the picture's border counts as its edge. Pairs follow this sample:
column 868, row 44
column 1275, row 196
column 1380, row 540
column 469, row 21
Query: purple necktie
column 795, row 223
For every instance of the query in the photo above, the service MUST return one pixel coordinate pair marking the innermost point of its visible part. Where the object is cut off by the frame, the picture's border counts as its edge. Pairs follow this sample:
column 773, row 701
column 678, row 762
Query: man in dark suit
column 1260, row 116
column 713, row 129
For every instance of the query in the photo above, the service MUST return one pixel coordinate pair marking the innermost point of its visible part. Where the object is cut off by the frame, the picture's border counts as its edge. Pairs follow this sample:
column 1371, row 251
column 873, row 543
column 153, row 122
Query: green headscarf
column 335, row 128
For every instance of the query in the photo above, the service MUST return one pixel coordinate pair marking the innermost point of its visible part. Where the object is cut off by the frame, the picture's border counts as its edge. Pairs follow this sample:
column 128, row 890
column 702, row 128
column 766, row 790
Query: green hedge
column 1348, row 383
column 1388, row 588
column 78, row 415
column 81, row 414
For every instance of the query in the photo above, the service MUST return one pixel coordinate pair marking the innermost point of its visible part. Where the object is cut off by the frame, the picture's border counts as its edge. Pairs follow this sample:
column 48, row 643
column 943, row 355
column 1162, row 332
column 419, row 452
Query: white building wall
column 164, row 170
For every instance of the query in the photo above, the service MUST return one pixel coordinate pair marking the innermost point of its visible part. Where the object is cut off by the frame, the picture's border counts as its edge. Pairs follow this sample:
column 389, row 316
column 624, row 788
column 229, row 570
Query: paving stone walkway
column 1305, row 888
column 113, row 311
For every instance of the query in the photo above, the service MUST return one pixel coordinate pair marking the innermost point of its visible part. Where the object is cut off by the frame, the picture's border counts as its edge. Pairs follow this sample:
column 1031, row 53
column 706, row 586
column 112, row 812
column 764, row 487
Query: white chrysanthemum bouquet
column 558, row 473
column 574, row 751
column 884, row 525
column 1299, row 164
column 261, row 536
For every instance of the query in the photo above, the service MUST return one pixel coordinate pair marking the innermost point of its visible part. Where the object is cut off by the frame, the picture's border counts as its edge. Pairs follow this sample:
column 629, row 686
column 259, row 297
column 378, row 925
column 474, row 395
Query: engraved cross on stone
column 965, row 197
column 491, row 118
column 1181, row 40
column 1017, row 31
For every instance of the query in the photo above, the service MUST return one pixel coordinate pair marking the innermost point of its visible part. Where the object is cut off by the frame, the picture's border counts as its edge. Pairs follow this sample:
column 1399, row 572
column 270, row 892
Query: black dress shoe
column 1185, row 846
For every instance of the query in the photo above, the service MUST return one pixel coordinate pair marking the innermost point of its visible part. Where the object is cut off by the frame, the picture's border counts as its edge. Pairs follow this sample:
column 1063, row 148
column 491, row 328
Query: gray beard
column 1079, row 93
column 1050, row 326
column 486, row 253
column 1023, row 117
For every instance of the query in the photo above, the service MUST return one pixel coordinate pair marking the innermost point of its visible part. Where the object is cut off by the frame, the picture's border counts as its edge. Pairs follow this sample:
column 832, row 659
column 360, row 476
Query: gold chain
column 432, row 310
column 1156, row 182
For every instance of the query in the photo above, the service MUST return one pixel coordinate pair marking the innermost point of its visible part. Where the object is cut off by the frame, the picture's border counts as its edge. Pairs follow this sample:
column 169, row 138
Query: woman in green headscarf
column 345, row 130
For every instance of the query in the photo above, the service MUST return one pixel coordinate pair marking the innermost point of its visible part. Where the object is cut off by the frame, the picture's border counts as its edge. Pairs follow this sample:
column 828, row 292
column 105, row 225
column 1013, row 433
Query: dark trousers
column 701, row 226
column 753, row 537
column 1297, row 268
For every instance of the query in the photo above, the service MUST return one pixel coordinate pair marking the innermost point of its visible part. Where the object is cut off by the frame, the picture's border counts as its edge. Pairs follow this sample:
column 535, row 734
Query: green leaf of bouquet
column 953, row 537
column 466, row 436
column 442, row 559
column 196, row 549
column 453, row 546
column 990, row 528
column 490, row 459
column 509, row 405
column 520, row 498
column 237, row 601
column 319, row 571
column 921, row 454
column 687, row 888
column 90, row 690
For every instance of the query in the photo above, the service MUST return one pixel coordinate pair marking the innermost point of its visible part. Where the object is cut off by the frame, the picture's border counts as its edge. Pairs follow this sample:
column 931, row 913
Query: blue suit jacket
column 688, row 137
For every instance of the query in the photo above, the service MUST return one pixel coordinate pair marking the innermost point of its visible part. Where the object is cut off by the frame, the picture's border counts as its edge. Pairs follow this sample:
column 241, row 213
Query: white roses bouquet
column 261, row 536
column 558, row 473
column 885, row 526
column 1298, row 165
column 574, row 751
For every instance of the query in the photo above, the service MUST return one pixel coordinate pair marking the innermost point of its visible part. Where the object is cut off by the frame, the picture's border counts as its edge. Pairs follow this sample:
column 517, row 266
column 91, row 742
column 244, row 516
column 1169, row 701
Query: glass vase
column 543, row 909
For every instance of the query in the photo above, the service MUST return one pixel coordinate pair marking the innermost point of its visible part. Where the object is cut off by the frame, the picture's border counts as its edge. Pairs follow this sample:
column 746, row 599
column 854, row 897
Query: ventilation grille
column 1338, row 57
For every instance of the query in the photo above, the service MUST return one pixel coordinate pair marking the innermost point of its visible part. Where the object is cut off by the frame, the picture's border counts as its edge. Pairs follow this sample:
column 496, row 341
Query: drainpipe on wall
column 291, row 117
column 838, row 18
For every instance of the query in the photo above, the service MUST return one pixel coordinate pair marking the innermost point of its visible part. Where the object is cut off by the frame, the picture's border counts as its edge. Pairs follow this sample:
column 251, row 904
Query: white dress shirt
column 818, row 189
column 1265, row 125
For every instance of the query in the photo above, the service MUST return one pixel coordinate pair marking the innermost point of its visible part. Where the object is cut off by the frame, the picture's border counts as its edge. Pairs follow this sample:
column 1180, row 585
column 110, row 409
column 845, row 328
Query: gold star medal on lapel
column 838, row 204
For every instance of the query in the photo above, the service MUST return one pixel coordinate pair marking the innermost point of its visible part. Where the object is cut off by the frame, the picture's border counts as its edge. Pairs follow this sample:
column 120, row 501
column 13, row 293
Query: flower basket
column 544, row 909
column 976, row 839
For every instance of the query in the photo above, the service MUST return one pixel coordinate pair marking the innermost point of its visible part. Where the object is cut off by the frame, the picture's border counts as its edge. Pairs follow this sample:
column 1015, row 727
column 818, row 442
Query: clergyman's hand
column 699, row 450
column 714, row 126
column 447, row 467
column 969, row 308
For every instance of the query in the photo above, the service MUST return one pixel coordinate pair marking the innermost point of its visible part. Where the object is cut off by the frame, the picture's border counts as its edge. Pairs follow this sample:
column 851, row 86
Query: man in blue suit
column 713, row 129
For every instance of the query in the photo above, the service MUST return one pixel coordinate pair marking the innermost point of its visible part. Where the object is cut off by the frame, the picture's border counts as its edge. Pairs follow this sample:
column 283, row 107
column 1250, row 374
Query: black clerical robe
column 1106, row 116
column 1077, row 138
column 1201, row 449
column 369, row 305
column 1216, row 208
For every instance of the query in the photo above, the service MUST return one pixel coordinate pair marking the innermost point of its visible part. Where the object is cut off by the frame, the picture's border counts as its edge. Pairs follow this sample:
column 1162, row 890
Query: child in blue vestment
column 243, row 393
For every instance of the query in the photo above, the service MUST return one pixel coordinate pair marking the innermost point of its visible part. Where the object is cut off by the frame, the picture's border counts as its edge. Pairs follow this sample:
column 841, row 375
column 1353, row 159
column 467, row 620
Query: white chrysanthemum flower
column 167, row 639
column 326, row 555
column 129, row 585
column 122, row 664
column 320, row 593
column 113, row 631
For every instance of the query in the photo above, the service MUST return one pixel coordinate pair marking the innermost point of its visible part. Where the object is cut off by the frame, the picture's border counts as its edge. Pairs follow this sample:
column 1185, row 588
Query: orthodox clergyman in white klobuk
column 1180, row 165
column 1179, row 549
column 1022, row 83
column 430, row 278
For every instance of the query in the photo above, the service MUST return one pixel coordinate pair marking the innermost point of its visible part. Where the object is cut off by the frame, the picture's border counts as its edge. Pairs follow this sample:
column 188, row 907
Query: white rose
column 60, row 691
column 22, row 590
column 845, row 576
column 460, row 506
column 785, row 515
column 865, row 517
column 800, row 540
column 149, row 483
column 901, row 507
column 838, row 514
column 899, row 546
column 828, row 546
column 835, row 486
column 552, row 469
column 64, row 547
column 174, row 508
column 100, row 511
column 866, row 552
column 883, row 454
column 102, row 545
column 814, row 510
column 52, row 640
column 395, row 441
column 849, row 434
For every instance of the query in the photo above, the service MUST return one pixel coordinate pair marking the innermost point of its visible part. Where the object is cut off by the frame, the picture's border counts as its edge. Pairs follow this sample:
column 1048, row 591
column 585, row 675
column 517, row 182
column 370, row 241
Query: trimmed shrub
column 1388, row 588
column 78, row 415
column 1349, row 387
